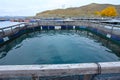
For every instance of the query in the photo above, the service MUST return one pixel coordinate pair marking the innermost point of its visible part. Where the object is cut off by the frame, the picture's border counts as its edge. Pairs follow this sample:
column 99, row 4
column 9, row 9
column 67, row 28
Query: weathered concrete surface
column 59, row 69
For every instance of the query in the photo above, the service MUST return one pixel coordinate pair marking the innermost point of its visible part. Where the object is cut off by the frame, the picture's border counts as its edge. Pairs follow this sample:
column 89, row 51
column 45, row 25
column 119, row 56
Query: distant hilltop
column 83, row 11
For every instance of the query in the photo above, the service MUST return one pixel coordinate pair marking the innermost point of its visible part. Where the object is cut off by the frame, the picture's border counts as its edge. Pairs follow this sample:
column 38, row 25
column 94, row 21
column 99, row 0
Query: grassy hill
column 88, row 10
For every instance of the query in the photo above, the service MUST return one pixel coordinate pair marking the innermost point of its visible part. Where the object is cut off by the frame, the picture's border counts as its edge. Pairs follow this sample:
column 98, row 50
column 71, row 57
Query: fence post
column 19, row 27
column 11, row 29
column 3, row 32
column 112, row 30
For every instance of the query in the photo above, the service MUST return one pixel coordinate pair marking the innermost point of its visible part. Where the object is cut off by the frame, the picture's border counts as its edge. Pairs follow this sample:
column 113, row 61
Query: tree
column 98, row 13
column 110, row 11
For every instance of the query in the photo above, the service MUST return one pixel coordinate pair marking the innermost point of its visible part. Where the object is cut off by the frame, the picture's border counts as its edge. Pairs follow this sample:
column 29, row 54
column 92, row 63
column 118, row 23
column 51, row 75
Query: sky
column 31, row 7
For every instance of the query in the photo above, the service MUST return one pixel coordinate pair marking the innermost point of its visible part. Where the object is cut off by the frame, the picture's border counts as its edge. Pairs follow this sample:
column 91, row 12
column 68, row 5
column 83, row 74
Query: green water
column 56, row 47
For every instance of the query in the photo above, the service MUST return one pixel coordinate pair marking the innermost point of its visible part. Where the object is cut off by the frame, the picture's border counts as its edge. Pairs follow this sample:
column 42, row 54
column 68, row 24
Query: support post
column 12, row 30
column 3, row 32
column 19, row 27
column 111, row 30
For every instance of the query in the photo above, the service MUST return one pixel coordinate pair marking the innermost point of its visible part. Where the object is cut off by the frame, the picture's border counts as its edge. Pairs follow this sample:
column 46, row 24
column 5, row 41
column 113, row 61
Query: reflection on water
column 58, row 47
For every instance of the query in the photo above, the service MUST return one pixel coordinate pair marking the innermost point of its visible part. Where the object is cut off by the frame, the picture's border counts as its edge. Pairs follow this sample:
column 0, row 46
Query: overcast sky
column 31, row 7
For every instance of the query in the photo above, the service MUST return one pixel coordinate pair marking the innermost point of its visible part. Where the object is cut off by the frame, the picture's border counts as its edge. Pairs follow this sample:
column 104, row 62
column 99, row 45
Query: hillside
column 88, row 10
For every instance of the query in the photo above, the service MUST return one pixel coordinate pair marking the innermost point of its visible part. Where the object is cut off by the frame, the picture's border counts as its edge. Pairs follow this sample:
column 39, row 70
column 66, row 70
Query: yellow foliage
column 98, row 13
column 108, row 12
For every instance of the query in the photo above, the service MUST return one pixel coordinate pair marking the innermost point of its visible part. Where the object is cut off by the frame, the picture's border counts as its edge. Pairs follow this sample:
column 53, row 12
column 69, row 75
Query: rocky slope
column 88, row 10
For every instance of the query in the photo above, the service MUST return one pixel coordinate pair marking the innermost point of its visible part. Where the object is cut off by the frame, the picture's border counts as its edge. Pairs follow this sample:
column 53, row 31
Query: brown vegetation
column 88, row 10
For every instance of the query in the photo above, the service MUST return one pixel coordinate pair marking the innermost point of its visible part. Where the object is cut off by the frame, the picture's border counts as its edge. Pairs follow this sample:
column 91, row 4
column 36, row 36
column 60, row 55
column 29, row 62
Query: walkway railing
column 11, row 29
column 108, row 27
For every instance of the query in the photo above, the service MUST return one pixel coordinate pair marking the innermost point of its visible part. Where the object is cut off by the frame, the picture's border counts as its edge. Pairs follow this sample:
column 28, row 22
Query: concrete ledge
column 59, row 69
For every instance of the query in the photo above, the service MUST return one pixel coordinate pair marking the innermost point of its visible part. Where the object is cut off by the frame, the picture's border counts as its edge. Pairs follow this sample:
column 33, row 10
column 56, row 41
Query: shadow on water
column 17, row 43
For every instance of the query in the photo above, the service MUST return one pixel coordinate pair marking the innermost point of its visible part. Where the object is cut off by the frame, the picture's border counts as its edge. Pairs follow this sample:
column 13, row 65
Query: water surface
column 56, row 47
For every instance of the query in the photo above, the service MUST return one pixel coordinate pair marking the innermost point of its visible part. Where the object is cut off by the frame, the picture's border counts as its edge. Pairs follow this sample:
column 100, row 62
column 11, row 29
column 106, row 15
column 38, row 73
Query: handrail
column 11, row 26
column 61, row 21
column 55, row 23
